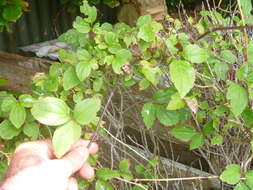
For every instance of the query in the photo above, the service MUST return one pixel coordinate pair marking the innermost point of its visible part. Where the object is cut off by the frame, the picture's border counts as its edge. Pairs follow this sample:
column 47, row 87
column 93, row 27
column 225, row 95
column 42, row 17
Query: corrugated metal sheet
column 46, row 20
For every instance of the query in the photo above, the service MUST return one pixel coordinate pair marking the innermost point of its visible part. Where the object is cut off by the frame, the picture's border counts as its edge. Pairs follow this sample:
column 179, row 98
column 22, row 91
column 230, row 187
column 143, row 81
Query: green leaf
column 217, row 140
column 54, row 70
column 127, row 175
column 51, row 84
column 2, row 2
column 70, row 79
column 110, row 38
column 171, row 46
column 7, row 130
column 83, row 70
column 184, row 115
column 247, row 116
column 86, row 110
column 4, row 164
column 51, row 111
column 197, row 141
column 146, row 33
column 83, row 55
column 183, row 133
column 12, row 12
column 249, row 74
column 98, row 84
column 8, row 103
column 176, row 102
column 31, row 130
column 151, row 73
column 127, row 82
column 242, row 186
column 183, row 76
column 156, row 26
column 144, row 84
column 221, row 70
column 124, row 165
column 163, row 96
column 146, row 19
column 228, row 56
column 65, row 136
column 89, row 11
column 220, row 110
column 135, row 187
column 167, row 117
column 250, row 53
column 77, row 97
column 106, row 173
column 139, row 169
column 195, row 54
column 26, row 100
column 18, row 115
column 246, row 11
column 148, row 113
column 103, row 185
column 249, row 177
column 208, row 128
column 251, row 144
column 107, row 27
column 124, row 54
column 81, row 25
column 231, row 175
column 114, row 48
column 117, row 63
column 152, row 163
column 238, row 98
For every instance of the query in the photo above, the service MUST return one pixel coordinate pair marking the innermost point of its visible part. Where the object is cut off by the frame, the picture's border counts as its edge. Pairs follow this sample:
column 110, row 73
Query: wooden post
column 18, row 71
column 131, row 11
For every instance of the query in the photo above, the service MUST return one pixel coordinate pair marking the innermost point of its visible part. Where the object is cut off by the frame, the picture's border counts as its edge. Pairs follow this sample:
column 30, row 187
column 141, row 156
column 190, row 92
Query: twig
column 244, row 31
column 94, row 137
column 124, row 144
column 247, row 162
column 131, row 182
column 224, row 28
column 6, row 155
column 178, row 179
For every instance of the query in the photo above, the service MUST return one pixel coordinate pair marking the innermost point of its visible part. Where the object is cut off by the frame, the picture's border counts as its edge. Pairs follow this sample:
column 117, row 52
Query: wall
column 46, row 20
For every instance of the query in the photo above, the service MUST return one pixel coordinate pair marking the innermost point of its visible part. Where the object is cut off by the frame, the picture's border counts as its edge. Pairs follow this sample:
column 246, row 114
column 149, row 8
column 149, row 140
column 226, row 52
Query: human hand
column 34, row 167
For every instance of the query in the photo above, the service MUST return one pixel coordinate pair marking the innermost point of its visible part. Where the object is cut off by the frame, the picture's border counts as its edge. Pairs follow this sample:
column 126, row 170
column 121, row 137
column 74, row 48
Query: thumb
column 76, row 158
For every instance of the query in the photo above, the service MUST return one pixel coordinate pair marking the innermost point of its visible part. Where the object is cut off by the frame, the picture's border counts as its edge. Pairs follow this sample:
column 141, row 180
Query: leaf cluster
column 11, row 11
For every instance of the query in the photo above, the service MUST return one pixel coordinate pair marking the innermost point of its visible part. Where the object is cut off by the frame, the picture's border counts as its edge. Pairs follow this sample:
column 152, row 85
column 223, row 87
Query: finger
column 42, row 148
column 87, row 171
column 75, row 158
column 72, row 185
column 92, row 149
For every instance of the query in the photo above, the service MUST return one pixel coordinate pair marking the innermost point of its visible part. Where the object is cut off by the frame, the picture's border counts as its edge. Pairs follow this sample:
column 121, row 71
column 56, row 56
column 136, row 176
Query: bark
column 18, row 71
column 130, row 12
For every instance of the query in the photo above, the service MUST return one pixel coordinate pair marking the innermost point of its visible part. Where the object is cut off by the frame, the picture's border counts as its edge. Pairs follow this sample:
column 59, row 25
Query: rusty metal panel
column 46, row 20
